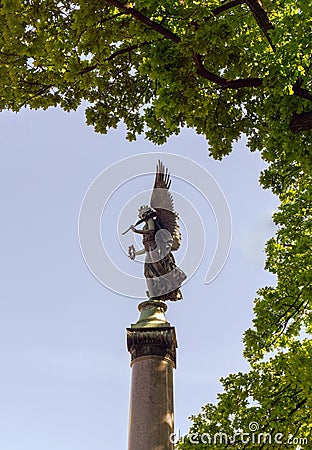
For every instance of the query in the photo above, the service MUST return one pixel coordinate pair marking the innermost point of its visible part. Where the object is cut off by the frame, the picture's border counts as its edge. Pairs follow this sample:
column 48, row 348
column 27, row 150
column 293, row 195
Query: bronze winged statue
column 160, row 236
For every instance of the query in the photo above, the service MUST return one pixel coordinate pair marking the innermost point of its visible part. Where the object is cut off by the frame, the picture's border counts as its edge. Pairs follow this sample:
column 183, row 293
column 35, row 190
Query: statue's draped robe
column 163, row 277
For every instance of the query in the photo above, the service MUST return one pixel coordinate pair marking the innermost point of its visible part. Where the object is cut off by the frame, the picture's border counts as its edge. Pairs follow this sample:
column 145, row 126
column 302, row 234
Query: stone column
column 152, row 345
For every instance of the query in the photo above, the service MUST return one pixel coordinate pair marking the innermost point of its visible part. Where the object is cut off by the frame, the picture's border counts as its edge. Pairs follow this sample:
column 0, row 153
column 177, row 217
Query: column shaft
column 151, row 419
column 151, row 404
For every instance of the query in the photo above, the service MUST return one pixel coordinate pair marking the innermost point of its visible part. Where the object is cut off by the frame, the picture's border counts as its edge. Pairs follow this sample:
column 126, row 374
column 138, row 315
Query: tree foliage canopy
column 276, row 394
column 222, row 68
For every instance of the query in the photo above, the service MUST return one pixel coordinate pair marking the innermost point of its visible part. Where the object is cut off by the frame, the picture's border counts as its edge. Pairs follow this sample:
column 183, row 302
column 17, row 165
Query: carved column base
column 152, row 315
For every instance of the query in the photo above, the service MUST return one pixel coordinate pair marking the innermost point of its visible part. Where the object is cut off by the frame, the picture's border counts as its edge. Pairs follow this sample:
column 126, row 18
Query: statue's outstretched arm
column 149, row 230
column 142, row 231
column 132, row 253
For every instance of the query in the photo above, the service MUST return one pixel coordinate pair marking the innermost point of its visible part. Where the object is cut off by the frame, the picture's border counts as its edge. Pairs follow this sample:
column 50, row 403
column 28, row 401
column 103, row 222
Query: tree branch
column 298, row 406
column 222, row 82
column 301, row 122
column 40, row 91
column 227, row 6
column 242, row 83
column 200, row 69
column 114, row 55
column 262, row 18
column 107, row 19
column 300, row 92
column 128, row 49
column 143, row 19
column 88, row 69
column 258, row 12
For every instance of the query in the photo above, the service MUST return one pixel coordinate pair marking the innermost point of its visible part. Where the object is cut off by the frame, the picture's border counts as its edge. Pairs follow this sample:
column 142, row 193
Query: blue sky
column 64, row 367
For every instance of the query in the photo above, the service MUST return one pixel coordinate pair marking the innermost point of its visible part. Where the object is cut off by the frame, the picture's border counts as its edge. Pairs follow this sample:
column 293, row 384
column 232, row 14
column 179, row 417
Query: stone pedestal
column 152, row 344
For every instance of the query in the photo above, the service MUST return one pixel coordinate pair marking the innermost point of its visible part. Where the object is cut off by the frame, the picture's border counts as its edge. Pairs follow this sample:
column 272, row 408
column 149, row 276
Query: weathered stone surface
column 153, row 356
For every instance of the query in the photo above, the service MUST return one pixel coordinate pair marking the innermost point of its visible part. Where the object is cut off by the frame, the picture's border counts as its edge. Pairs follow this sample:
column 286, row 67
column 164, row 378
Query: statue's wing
column 162, row 202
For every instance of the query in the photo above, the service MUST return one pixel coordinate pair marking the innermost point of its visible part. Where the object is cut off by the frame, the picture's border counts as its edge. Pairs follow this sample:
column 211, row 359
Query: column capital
column 144, row 342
